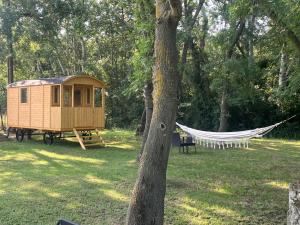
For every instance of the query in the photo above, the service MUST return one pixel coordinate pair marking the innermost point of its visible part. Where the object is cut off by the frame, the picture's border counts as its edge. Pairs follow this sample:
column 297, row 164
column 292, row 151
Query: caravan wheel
column 48, row 138
column 20, row 135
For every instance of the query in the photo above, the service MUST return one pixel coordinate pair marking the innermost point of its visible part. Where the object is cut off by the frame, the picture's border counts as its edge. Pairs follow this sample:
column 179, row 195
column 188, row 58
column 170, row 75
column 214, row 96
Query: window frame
column 81, row 96
column 21, row 95
column 55, row 95
column 89, row 97
column 67, row 88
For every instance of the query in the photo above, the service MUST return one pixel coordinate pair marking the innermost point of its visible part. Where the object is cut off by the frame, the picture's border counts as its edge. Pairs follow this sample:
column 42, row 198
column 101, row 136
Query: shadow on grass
column 44, row 183
column 232, row 186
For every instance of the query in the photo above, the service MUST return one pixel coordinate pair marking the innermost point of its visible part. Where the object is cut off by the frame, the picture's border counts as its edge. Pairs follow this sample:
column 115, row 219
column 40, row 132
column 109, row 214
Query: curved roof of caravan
column 51, row 81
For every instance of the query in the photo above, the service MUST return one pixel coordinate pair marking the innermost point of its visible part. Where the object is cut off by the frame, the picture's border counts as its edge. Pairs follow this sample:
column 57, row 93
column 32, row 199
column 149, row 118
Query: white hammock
column 227, row 139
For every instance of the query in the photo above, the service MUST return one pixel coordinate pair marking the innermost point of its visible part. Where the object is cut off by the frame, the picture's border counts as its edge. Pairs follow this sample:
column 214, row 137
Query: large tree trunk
column 9, row 38
column 141, row 127
column 224, row 109
column 204, row 29
column 148, row 89
column 83, row 54
column 283, row 71
column 189, row 23
column 251, row 23
column 147, row 201
column 294, row 204
column 223, row 114
column 10, row 62
column 1, row 118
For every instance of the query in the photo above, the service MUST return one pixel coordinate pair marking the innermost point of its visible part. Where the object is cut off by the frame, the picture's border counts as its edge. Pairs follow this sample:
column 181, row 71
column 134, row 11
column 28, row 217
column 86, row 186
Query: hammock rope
column 228, row 139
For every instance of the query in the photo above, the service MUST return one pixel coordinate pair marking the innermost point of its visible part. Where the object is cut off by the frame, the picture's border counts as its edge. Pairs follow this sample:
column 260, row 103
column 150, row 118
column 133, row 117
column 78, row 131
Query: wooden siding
column 47, row 109
column 55, row 118
column 99, row 117
column 83, row 117
column 67, row 118
column 37, row 106
column 37, row 112
column 13, row 107
column 24, row 110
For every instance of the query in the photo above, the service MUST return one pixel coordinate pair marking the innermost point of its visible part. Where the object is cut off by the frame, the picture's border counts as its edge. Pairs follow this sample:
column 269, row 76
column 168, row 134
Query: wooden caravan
column 56, row 105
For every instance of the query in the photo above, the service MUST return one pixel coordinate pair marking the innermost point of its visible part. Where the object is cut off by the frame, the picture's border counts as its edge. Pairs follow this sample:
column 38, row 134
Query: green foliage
column 2, row 94
column 113, row 40
column 142, row 58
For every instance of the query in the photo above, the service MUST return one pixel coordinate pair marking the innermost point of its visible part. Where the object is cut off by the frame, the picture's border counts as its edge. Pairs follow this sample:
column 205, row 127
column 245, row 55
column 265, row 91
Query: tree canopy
column 239, row 60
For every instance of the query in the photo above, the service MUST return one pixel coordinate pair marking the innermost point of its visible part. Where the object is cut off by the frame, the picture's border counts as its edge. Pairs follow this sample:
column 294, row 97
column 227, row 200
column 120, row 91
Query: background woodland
column 239, row 60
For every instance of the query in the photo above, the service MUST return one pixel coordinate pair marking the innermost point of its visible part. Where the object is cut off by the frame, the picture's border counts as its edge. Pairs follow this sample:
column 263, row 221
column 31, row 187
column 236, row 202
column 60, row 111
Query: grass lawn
column 40, row 184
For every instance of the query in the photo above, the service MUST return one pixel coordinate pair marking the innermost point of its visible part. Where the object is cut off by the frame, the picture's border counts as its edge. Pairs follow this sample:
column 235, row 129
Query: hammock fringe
column 239, row 139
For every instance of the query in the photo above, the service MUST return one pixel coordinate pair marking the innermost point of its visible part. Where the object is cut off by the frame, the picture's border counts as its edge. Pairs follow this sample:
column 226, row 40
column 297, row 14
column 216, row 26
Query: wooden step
column 94, row 144
column 86, row 140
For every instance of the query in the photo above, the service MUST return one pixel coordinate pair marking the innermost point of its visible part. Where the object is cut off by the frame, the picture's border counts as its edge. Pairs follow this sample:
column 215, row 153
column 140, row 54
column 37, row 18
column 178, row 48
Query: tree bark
column 283, row 71
column 83, row 54
column 147, row 201
column 1, row 118
column 141, row 127
column 61, row 66
column 224, row 110
column 10, row 62
column 236, row 37
column 148, row 89
column 204, row 29
column 251, row 23
column 293, row 217
column 189, row 25
column 9, row 38
column 223, row 114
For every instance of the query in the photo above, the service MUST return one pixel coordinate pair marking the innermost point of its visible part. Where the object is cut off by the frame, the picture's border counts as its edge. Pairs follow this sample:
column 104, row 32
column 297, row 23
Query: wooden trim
column 19, row 106
column 103, row 105
column 90, row 88
column 43, row 122
column 20, row 95
column 54, row 104
column 101, row 83
column 99, row 136
column 73, row 89
column 93, row 96
column 79, row 139
column 58, row 130
column 61, row 95
column 29, row 106
column 70, row 89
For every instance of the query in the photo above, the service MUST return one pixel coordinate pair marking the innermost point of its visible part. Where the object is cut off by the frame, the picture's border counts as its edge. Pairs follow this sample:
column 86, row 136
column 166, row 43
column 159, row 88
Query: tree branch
column 176, row 8
column 290, row 34
column 31, row 15
column 293, row 38
column 240, row 49
column 199, row 7
column 236, row 38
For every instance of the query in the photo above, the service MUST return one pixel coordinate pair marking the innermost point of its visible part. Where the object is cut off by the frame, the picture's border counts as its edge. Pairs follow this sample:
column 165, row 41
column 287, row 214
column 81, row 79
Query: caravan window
column 23, row 95
column 77, row 97
column 67, row 95
column 88, row 96
column 56, row 95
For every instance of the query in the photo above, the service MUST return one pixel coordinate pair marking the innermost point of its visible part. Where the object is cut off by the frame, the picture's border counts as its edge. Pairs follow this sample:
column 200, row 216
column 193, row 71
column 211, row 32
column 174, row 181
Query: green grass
column 40, row 184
